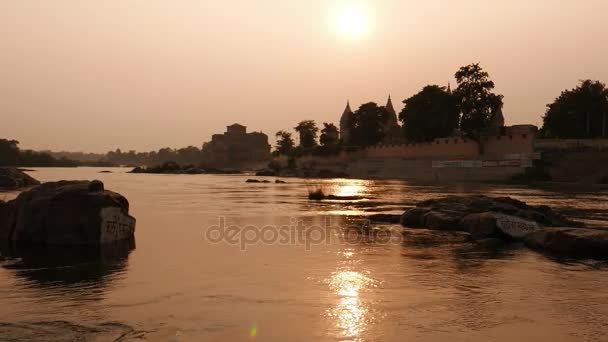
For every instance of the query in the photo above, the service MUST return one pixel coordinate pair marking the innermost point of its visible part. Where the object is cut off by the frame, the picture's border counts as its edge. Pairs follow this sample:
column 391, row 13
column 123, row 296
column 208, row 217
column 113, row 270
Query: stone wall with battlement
column 501, row 156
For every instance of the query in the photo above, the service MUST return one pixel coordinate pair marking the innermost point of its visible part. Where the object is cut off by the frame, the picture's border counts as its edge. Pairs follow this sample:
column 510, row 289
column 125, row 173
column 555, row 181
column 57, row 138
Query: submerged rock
column 570, row 242
column 386, row 218
column 14, row 178
column 67, row 213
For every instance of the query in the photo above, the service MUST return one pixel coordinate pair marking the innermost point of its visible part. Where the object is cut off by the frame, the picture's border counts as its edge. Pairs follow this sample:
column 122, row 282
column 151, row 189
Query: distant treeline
column 11, row 155
column 190, row 155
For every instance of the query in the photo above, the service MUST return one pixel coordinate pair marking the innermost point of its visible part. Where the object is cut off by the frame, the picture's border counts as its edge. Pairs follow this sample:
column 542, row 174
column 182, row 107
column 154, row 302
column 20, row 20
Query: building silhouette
column 237, row 148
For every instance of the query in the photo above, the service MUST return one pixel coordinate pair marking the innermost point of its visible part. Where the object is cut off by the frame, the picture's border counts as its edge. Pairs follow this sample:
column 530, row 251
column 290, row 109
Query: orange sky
column 86, row 75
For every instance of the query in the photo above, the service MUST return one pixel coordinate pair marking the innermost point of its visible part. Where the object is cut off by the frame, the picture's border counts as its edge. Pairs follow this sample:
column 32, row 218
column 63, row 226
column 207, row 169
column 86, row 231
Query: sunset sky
column 84, row 75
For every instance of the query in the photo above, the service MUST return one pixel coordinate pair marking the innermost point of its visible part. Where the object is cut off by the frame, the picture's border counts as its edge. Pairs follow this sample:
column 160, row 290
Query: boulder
column 514, row 227
column 412, row 218
column 440, row 220
column 570, row 242
column 480, row 226
column 67, row 213
column 13, row 178
column 493, row 225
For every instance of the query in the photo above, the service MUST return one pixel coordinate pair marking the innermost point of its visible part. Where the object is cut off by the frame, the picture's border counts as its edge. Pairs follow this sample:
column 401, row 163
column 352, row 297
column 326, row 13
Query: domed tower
column 346, row 124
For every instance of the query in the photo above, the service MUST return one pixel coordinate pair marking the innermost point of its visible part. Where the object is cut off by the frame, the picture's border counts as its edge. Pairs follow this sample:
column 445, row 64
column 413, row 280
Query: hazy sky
column 84, row 75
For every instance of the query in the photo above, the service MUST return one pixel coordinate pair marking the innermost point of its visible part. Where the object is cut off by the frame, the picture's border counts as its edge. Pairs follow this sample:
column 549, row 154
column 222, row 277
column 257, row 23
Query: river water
column 219, row 259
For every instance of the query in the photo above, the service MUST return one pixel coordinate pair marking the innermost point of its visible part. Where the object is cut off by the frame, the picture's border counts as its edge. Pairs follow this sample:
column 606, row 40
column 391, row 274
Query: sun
column 351, row 20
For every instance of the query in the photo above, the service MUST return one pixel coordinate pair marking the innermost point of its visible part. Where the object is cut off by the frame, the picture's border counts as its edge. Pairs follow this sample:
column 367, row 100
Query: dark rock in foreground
column 482, row 216
column 570, row 242
column 13, row 178
column 67, row 213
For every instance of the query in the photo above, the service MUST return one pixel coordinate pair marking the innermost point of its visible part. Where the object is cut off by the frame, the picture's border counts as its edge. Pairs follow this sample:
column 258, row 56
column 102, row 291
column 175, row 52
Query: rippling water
column 316, row 284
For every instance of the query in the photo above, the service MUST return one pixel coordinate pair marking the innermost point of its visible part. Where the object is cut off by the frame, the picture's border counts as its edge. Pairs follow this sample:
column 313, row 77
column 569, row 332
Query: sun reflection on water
column 350, row 314
column 350, row 190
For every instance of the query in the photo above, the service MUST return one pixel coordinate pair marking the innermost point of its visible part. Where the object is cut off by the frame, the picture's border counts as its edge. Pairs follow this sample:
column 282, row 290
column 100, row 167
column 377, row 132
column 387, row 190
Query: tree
column 578, row 113
column 476, row 101
column 9, row 152
column 285, row 144
column 329, row 135
column 430, row 114
column 308, row 133
column 367, row 124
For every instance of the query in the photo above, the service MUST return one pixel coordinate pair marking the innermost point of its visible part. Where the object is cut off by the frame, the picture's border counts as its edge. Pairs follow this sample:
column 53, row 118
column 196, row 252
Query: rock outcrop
column 503, row 218
column 12, row 178
column 483, row 217
column 67, row 213
column 176, row 169
column 266, row 172
column 570, row 242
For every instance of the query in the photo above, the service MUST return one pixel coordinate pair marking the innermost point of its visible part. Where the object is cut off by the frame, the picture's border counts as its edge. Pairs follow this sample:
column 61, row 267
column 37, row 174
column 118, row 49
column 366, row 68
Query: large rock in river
column 482, row 216
column 67, row 213
column 570, row 242
column 13, row 178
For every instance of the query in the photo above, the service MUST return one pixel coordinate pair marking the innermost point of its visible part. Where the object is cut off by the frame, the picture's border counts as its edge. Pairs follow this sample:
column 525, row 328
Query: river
column 219, row 259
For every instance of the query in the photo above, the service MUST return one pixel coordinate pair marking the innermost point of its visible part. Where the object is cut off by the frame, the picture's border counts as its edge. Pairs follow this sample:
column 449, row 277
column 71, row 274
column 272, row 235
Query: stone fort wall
column 504, row 154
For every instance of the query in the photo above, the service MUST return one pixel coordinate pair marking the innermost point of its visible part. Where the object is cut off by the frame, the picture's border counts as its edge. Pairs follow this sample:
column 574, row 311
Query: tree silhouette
column 9, row 152
column 12, row 155
column 578, row 113
column 285, row 144
column 308, row 133
column 367, row 124
column 329, row 135
column 476, row 101
column 430, row 114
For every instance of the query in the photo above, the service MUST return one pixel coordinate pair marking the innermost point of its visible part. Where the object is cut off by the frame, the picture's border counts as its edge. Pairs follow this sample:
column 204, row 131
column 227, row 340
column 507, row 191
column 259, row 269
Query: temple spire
column 346, row 123
column 389, row 105
column 347, row 110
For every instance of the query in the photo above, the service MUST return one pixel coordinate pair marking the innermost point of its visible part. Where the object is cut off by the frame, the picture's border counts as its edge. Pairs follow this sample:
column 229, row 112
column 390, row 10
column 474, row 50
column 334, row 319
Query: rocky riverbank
column 11, row 178
column 508, row 219
column 176, row 169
